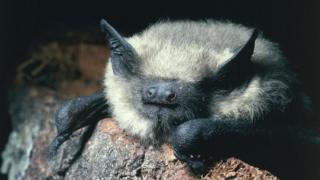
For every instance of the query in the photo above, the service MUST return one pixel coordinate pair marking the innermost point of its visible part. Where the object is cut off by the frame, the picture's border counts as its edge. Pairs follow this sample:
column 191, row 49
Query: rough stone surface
column 109, row 153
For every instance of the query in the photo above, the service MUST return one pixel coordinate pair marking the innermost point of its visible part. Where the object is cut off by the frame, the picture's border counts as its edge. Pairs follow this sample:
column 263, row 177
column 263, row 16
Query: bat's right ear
column 239, row 68
column 123, row 55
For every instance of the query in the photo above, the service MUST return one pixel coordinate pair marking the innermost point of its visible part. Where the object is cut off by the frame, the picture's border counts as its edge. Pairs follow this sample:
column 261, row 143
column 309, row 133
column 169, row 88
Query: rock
column 108, row 154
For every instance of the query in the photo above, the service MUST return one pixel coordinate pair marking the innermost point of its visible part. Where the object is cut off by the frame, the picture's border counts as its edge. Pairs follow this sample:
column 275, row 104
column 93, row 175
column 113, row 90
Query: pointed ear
column 239, row 68
column 123, row 55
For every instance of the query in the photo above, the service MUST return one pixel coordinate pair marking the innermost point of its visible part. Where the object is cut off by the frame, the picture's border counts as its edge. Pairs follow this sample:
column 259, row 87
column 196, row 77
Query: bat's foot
column 195, row 163
column 192, row 143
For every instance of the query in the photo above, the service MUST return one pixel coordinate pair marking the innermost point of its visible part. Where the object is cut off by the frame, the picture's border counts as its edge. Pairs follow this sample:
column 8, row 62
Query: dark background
column 295, row 25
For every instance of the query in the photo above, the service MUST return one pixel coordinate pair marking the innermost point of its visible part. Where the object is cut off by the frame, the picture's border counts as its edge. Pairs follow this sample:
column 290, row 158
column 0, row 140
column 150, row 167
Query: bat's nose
column 161, row 94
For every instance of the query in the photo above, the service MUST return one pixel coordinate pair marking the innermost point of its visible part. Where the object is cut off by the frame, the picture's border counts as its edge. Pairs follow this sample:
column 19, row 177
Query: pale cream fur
column 165, row 52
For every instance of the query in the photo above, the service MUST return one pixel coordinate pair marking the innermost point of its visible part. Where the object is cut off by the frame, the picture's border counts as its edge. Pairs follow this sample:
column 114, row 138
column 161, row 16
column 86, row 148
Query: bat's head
column 174, row 72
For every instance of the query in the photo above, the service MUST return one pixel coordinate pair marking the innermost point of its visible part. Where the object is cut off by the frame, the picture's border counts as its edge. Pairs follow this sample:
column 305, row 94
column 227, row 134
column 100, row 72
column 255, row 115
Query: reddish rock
column 109, row 153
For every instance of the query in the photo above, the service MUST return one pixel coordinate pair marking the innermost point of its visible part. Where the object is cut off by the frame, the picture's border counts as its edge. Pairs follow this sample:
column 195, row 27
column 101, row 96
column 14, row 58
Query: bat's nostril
column 171, row 97
column 151, row 92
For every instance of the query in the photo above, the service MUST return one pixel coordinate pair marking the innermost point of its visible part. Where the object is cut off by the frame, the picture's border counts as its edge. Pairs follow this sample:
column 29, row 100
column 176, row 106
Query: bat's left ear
column 123, row 55
column 239, row 67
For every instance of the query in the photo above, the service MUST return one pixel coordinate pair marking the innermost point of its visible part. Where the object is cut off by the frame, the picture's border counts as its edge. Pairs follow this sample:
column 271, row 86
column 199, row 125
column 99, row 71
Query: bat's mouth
column 161, row 105
column 156, row 112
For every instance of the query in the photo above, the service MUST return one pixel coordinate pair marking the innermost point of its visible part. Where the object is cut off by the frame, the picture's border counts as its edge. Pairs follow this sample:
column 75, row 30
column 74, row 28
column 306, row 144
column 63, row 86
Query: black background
column 294, row 24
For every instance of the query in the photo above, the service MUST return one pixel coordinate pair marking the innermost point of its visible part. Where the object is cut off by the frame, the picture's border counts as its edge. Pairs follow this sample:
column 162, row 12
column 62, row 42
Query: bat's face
column 170, row 74
column 167, row 103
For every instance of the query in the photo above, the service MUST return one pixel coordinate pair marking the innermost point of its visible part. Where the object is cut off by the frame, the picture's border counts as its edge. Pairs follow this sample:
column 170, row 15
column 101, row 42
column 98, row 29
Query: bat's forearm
column 77, row 113
column 209, row 137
